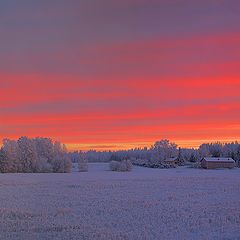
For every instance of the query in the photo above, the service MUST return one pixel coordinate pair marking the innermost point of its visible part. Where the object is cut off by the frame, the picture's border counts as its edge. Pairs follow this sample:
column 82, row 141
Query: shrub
column 114, row 165
column 123, row 166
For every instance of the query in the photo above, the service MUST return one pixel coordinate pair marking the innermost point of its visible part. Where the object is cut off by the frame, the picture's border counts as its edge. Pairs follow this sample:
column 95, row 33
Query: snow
column 179, row 203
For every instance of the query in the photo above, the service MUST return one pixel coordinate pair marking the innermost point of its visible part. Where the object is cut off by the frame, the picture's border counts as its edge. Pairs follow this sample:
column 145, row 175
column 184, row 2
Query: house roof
column 218, row 159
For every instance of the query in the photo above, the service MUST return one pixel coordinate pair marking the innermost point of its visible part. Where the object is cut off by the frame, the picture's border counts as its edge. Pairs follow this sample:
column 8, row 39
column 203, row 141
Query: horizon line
column 118, row 146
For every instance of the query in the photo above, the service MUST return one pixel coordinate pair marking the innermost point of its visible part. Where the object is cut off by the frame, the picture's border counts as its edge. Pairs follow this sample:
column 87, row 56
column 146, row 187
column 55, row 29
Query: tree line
column 162, row 150
column 45, row 155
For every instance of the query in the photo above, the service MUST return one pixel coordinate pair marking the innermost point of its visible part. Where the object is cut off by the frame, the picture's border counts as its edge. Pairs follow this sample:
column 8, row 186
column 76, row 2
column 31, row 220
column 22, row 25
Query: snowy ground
column 146, row 203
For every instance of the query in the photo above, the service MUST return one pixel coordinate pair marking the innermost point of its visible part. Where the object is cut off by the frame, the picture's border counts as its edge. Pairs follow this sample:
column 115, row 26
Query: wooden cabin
column 172, row 160
column 217, row 162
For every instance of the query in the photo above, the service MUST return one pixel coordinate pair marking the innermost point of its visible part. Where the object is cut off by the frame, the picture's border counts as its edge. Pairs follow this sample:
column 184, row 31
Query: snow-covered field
column 179, row 203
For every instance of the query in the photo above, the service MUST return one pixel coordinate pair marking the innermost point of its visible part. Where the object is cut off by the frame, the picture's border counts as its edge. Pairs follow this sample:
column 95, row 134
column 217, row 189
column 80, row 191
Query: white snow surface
column 180, row 203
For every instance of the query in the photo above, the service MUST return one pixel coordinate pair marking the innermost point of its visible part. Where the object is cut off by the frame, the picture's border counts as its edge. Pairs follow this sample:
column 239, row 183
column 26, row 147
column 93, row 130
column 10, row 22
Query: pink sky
column 120, row 74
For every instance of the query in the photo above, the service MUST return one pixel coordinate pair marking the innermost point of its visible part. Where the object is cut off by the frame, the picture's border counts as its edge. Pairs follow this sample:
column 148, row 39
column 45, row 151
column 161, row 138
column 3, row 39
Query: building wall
column 212, row 165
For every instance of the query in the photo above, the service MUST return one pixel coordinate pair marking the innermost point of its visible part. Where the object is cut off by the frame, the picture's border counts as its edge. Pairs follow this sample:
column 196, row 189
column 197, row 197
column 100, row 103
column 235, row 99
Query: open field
column 179, row 203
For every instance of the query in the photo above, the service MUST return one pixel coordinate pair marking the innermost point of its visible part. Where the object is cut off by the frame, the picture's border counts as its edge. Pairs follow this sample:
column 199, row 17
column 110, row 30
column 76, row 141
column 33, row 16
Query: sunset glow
column 120, row 74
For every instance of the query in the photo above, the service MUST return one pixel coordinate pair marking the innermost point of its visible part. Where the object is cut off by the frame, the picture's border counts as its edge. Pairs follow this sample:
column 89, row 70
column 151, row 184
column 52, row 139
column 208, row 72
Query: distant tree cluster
column 107, row 156
column 156, row 155
column 33, row 155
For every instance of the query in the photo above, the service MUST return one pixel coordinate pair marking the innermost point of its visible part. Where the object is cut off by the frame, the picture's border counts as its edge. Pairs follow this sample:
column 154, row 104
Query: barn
column 217, row 162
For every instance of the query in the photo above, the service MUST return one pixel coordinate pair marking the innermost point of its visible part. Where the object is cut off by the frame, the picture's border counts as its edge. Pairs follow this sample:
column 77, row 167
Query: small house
column 217, row 162
column 172, row 160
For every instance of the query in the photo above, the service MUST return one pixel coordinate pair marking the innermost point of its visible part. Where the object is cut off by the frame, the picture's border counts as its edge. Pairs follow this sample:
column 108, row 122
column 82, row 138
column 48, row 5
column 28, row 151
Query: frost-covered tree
column 4, row 167
column 34, row 155
column 204, row 150
column 232, row 150
column 61, row 161
column 12, row 162
column 211, row 150
column 44, row 148
column 216, row 149
column 27, row 154
column 180, row 159
column 162, row 150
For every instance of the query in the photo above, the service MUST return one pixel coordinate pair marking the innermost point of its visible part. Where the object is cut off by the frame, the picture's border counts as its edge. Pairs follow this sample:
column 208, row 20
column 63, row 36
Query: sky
column 109, row 74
